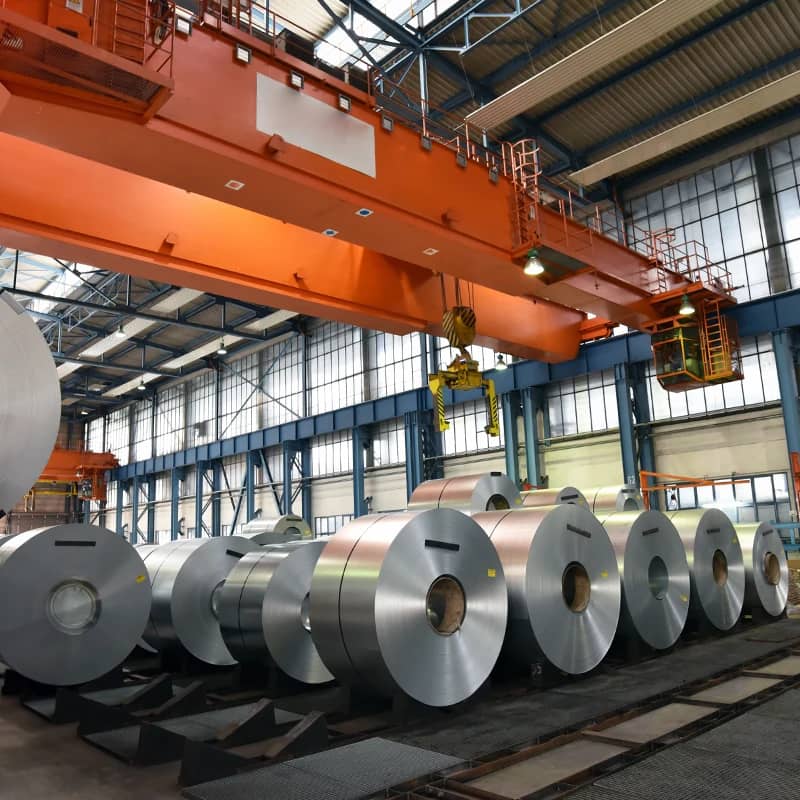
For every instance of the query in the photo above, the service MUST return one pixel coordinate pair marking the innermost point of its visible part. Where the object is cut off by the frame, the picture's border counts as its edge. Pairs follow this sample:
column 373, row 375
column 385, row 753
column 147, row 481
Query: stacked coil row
column 424, row 602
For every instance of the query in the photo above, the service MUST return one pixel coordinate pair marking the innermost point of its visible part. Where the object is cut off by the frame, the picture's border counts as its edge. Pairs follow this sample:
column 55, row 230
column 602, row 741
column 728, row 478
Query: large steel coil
column 716, row 567
column 491, row 491
column 30, row 405
column 554, row 497
column 75, row 600
column 187, row 578
column 608, row 499
column 655, row 576
column 264, row 610
column 563, row 585
column 413, row 603
column 765, row 567
column 276, row 530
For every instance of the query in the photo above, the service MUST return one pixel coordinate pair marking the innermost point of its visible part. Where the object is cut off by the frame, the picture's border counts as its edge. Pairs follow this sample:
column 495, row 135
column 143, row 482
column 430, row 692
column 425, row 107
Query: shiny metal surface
column 375, row 612
column 275, row 530
column 263, row 609
column 554, row 497
column 490, row 491
column 187, row 577
column 30, row 405
column 655, row 576
column 704, row 533
column 540, row 549
column 75, row 600
column 614, row 498
column 765, row 567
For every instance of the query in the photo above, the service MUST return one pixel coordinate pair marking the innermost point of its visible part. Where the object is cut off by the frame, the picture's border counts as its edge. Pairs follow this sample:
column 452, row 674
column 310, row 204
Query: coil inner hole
column 446, row 605
column 576, row 587
column 719, row 566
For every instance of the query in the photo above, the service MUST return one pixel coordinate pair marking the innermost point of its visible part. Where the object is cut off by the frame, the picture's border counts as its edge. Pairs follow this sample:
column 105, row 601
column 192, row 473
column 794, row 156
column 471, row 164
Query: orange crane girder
column 66, row 466
column 427, row 210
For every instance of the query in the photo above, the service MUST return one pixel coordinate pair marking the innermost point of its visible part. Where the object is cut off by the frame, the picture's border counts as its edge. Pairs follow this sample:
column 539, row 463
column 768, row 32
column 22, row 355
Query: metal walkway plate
column 552, row 766
column 656, row 724
column 786, row 666
column 735, row 690
column 345, row 773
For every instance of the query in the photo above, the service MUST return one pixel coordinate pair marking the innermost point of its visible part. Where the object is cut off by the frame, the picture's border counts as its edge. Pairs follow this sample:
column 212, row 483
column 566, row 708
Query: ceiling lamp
column 686, row 309
column 501, row 363
column 141, row 387
column 120, row 332
column 222, row 350
column 84, row 412
column 533, row 266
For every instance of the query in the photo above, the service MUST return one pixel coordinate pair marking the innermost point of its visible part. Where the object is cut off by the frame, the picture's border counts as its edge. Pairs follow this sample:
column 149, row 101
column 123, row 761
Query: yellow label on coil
column 492, row 573
column 141, row 578
column 518, row 501
column 604, row 574
column 684, row 598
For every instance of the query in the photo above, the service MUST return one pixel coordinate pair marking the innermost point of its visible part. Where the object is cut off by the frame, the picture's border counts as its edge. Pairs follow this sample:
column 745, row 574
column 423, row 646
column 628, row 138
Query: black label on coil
column 442, row 545
column 73, row 543
column 234, row 554
column 649, row 531
column 579, row 531
column 714, row 530
column 767, row 532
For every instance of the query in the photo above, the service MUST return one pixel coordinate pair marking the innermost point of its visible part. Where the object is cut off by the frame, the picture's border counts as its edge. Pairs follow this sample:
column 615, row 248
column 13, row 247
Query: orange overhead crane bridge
column 81, row 470
column 218, row 155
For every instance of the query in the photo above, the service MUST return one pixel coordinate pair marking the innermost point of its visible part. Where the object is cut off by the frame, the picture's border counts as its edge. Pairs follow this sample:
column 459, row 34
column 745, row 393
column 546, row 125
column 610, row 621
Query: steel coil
column 715, row 563
column 30, row 406
column 608, row 499
column 187, row 578
column 264, row 611
column 563, row 585
column 491, row 491
column 765, row 567
column 554, row 497
column 276, row 530
column 655, row 576
column 75, row 600
column 413, row 603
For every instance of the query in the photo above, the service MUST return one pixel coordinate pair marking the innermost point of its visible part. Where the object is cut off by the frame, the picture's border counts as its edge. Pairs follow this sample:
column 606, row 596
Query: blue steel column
column 289, row 450
column 250, row 485
column 413, row 441
column 174, row 503
column 641, row 409
column 305, row 491
column 151, row 509
column 510, row 407
column 134, row 510
column 787, row 382
column 359, row 506
column 529, row 406
column 627, row 436
column 216, row 498
column 120, row 493
column 198, row 499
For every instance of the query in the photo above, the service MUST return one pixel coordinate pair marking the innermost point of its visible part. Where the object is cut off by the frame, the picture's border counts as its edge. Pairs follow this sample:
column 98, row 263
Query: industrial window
column 757, row 238
column 142, row 430
column 331, row 454
column 759, row 498
column 93, row 435
column 324, row 526
column 281, row 397
column 202, row 407
column 485, row 356
column 170, row 422
column 466, row 434
column 585, row 404
column 394, row 363
column 335, row 367
column 118, row 434
column 388, row 443
column 240, row 396
column 758, row 387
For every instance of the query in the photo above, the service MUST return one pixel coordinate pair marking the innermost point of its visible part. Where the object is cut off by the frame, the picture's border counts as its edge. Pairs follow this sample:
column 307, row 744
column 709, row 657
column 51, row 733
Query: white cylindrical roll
column 491, row 491
column 655, row 576
column 765, row 566
column 75, row 600
column 276, row 530
column 187, row 578
column 716, row 567
column 608, row 499
column 563, row 584
column 413, row 602
column 554, row 497
column 30, row 406
column 264, row 609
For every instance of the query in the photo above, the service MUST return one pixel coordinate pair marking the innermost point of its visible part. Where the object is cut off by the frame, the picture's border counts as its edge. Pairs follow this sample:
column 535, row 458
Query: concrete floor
column 39, row 761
